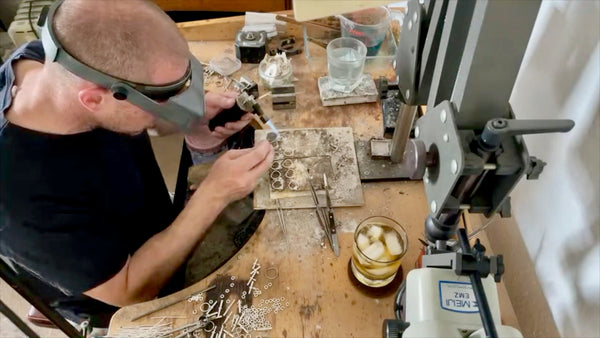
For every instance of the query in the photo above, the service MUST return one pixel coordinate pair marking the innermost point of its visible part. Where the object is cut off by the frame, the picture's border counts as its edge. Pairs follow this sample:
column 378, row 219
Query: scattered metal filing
column 325, row 217
column 284, row 97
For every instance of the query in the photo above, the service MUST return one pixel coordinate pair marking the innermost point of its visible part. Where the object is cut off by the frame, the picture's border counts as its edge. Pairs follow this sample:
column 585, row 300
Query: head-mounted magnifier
column 180, row 102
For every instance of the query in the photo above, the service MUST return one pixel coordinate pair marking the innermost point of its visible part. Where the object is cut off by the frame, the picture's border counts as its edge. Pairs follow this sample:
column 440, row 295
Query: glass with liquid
column 345, row 63
column 379, row 245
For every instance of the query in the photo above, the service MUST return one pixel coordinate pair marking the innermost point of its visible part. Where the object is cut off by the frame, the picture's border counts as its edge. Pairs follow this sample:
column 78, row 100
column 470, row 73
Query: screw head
column 417, row 131
column 443, row 116
column 454, row 166
column 433, row 206
column 445, row 137
column 498, row 123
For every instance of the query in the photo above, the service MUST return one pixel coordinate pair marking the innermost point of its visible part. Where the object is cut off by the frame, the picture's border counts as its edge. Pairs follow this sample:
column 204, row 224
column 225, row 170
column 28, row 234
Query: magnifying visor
column 180, row 103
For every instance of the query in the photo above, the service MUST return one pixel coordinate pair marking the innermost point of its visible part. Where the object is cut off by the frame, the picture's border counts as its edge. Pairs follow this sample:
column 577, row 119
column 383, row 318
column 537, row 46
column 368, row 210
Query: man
column 84, row 213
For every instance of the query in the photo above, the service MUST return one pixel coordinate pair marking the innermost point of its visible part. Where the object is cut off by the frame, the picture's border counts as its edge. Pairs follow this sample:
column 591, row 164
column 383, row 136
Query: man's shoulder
column 33, row 50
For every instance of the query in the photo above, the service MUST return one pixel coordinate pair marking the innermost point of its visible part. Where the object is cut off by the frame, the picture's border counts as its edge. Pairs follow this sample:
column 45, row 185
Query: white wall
column 559, row 215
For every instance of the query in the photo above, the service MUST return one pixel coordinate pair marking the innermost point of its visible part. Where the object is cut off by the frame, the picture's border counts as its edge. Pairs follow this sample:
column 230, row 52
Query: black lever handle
column 497, row 129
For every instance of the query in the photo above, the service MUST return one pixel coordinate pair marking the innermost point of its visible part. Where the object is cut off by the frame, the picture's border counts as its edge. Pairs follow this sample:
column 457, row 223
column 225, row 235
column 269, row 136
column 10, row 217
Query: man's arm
column 232, row 177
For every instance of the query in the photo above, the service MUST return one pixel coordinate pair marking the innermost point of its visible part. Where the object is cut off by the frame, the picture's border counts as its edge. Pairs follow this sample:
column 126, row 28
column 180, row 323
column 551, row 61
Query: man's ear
column 93, row 97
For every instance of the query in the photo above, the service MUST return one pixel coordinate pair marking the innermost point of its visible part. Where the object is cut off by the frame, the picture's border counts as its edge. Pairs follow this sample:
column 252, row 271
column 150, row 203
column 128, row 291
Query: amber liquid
column 376, row 255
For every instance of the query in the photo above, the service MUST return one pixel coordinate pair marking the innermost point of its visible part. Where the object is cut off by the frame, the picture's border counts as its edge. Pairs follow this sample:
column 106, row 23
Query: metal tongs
column 325, row 216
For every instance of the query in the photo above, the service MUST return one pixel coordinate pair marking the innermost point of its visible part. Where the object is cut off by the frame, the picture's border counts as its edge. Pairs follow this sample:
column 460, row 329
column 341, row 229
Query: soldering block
column 365, row 92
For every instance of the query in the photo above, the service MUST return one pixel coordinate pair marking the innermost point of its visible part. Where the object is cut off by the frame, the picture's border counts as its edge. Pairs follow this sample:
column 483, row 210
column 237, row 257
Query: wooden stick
column 292, row 21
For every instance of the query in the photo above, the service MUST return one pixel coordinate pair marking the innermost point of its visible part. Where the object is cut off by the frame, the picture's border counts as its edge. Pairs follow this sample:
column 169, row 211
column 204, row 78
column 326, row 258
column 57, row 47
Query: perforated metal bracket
column 437, row 129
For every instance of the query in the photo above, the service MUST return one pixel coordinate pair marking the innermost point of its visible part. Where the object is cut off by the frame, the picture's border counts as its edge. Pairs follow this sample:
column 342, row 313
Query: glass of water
column 379, row 245
column 345, row 63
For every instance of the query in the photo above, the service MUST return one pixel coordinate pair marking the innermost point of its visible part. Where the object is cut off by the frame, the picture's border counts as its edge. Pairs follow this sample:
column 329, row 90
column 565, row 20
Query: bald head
column 127, row 39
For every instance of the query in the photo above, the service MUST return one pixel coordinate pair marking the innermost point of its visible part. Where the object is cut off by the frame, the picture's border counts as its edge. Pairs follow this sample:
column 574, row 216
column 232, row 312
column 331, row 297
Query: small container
column 368, row 25
column 275, row 71
column 225, row 64
column 345, row 63
column 379, row 245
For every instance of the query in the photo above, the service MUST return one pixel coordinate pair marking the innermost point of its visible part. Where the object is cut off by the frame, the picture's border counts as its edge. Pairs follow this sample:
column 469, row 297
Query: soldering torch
column 245, row 103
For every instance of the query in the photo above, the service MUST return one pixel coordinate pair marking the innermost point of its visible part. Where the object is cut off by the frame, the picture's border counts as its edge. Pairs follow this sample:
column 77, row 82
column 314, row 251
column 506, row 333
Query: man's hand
column 235, row 174
column 201, row 137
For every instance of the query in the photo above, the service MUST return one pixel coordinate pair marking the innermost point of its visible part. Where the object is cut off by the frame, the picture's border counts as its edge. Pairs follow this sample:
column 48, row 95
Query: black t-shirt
column 74, row 207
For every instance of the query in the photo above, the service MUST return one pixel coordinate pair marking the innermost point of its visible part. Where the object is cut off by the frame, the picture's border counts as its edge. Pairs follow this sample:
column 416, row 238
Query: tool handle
column 259, row 112
column 331, row 222
column 497, row 129
column 228, row 115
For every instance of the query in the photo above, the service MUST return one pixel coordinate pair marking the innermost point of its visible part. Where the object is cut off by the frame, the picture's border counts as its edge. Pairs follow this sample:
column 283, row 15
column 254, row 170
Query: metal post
column 404, row 124
column 493, row 51
column 484, row 308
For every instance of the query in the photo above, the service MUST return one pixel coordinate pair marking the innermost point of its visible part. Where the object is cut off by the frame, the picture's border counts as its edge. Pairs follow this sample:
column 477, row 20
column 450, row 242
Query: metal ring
column 288, row 153
column 293, row 185
column 204, row 309
column 206, row 329
column 277, row 184
column 275, row 174
column 289, row 173
column 274, row 272
column 276, row 165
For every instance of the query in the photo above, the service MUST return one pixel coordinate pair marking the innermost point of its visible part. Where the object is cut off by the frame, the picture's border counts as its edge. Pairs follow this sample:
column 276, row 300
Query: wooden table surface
column 320, row 297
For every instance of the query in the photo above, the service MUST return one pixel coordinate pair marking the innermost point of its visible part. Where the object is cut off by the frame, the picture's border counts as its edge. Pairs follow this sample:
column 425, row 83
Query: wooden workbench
column 320, row 297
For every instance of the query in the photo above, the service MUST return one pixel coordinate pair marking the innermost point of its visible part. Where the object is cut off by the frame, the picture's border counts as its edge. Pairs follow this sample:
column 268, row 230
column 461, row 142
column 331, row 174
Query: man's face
column 125, row 117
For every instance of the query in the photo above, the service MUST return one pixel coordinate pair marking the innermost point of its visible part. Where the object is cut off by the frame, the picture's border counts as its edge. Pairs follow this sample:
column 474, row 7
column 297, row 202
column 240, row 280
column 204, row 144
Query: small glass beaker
column 379, row 245
column 345, row 63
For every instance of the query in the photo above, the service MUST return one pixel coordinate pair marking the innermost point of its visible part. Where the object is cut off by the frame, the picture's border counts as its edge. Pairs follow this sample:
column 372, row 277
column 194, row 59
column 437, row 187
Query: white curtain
column 559, row 215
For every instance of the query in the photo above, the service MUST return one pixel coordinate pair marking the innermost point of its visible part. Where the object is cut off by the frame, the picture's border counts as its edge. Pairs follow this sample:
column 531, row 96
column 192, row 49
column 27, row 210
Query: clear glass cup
column 345, row 63
column 379, row 245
